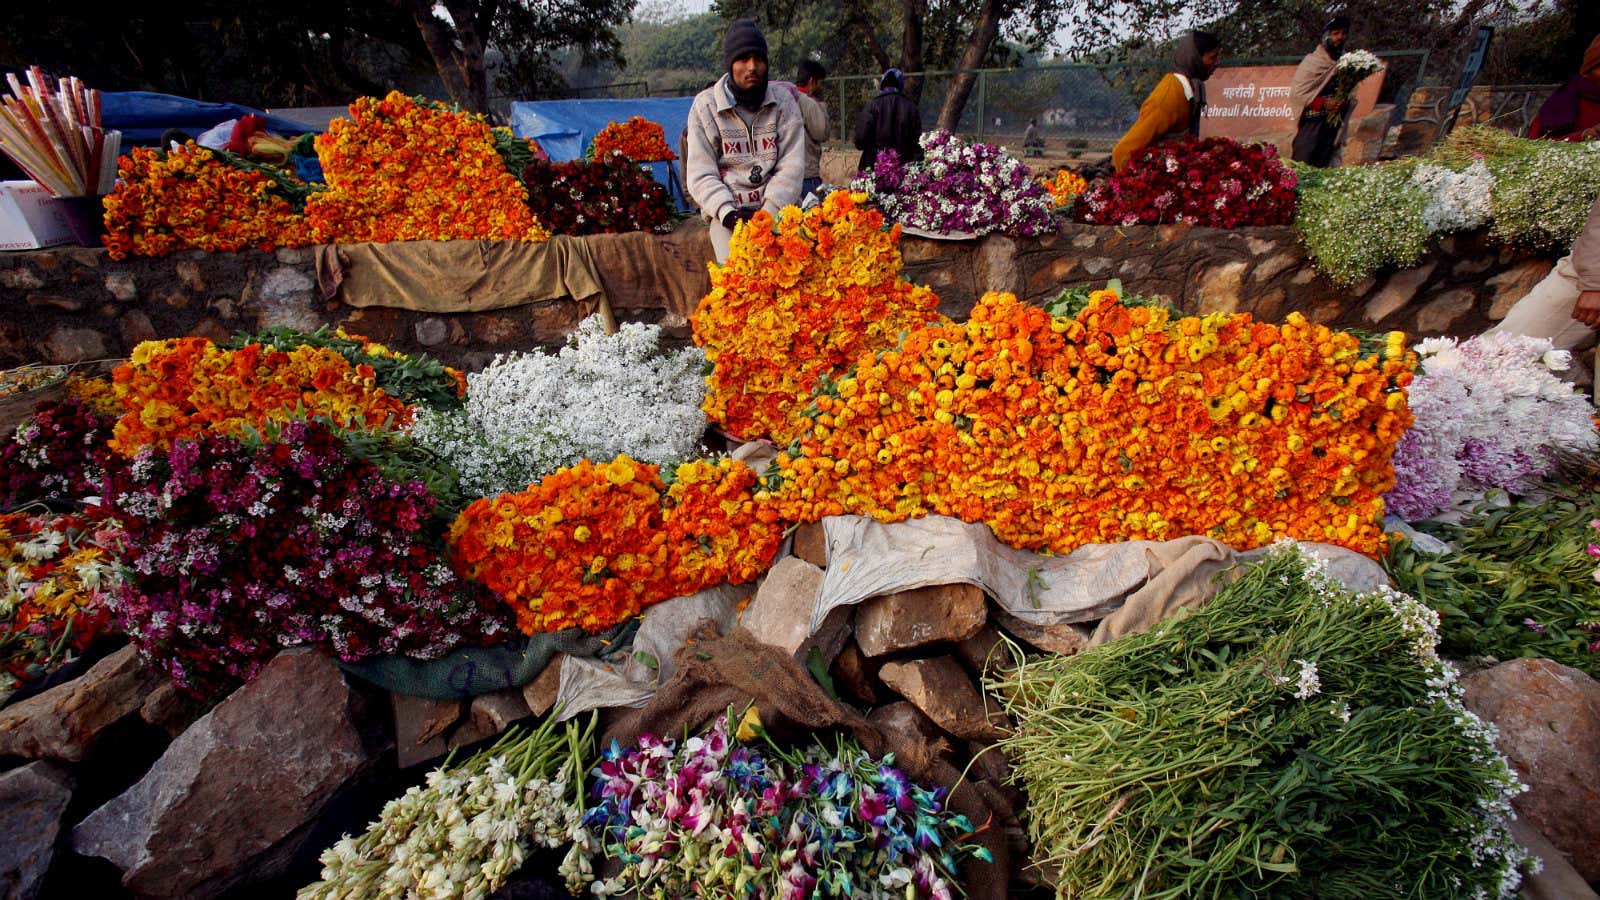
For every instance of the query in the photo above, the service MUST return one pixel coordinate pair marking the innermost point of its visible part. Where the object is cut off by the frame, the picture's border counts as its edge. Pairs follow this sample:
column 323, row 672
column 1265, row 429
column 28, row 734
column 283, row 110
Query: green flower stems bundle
column 1291, row 739
column 1519, row 581
column 1542, row 193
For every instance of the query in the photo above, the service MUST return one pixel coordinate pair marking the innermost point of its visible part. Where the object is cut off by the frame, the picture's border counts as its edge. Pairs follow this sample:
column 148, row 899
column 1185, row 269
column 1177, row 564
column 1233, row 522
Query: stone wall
column 69, row 304
column 1461, row 287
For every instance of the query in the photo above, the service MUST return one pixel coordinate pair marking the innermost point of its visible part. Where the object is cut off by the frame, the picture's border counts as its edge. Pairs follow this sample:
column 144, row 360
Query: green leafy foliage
column 1355, row 221
column 1073, row 300
column 1518, row 583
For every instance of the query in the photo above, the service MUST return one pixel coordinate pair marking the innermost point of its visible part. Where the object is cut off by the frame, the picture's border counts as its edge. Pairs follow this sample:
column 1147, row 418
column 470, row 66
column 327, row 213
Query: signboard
column 1469, row 75
column 1251, row 103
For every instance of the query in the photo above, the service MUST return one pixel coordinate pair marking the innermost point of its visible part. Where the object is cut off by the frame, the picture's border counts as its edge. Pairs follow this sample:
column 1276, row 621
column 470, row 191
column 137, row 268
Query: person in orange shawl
column 1316, row 141
column 1573, row 112
column 1172, row 111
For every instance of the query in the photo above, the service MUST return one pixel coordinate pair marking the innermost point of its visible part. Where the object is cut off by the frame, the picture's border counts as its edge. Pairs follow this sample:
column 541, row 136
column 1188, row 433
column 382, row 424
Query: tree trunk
column 460, row 67
column 911, row 44
column 862, row 20
column 978, row 44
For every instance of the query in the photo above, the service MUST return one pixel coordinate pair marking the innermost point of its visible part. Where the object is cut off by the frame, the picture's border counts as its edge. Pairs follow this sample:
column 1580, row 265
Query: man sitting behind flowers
column 1565, row 305
column 747, row 144
column 1172, row 111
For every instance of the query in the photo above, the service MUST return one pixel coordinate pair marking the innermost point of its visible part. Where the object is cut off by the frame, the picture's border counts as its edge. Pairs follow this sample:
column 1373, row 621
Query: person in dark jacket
column 890, row 122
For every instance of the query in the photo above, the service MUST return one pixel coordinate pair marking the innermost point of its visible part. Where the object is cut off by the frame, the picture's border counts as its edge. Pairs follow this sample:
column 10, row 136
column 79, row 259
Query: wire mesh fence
column 1077, row 108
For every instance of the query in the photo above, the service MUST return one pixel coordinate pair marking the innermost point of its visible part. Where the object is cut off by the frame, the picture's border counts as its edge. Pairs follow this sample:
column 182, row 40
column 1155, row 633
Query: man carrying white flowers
column 1565, row 306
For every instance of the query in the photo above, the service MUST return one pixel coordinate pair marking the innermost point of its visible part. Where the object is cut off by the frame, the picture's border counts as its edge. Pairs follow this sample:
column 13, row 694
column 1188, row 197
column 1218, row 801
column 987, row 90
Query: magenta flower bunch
column 236, row 548
column 959, row 188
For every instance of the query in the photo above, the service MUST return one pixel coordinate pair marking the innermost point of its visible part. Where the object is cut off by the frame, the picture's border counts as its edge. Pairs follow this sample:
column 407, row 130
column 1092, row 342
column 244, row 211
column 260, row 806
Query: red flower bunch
column 639, row 139
column 1214, row 183
column 235, row 549
column 187, row 199
column 53, row 600
column 59, row 454
column 592, row 545
column 606, row 195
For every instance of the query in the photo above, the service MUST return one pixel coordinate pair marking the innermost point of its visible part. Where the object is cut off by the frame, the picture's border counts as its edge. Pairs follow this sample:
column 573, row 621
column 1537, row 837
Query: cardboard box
column 30, row 217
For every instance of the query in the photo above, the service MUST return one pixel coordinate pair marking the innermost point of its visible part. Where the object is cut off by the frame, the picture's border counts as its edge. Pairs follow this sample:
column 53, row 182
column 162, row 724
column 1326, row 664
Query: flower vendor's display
column 189, row 199
column 715, row 818
column 59, row 454
column 1214, row 183
column 638, row 139
column 1064, row 188
column 1353, row 67
column 1457, row 201
column 1290, row 739
column 1543, row 191
column 1518, row 580
column 1357, row 220
column 471, row 826
column 1490, row 413
column 403, row 170
column 959, row 188
column 185, row 387
column 53, row 601
column 604, row 195
column 236, row 548
column 529, row 414
column 1121, row 424
column 798, row 300
column 591, row 545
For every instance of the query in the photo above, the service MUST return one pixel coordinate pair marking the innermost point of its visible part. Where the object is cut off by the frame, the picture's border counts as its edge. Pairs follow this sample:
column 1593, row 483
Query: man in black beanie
column 1317, row 137
column 746, row 145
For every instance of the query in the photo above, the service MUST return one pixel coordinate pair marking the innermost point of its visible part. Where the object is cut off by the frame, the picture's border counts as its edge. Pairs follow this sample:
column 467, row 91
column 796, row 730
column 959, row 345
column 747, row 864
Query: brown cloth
column 459, row 276
column 714, row 673
column 642, row 270
column 1183, row 577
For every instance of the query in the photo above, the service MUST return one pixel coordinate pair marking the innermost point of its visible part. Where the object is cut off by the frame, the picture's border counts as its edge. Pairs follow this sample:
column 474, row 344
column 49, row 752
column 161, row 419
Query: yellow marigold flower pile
column 187, row 199
column 593, row 544
column 639, row 139
column 1120, row 424
column 183, row 387
column 401, row 171
column 1064, row 187
column 799, row 302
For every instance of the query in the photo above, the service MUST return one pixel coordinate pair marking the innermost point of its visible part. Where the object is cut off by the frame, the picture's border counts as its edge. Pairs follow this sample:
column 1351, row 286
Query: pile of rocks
column 113, row 784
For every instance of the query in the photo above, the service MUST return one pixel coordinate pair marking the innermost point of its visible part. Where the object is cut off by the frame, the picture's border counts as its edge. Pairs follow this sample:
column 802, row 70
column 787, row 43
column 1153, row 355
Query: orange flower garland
column 401, row 171
column 798, row 303
column 1121, row 424
column 639, row 139
column 182, row 387
column 186, row 199
column 1064, row 187
column 593, row 544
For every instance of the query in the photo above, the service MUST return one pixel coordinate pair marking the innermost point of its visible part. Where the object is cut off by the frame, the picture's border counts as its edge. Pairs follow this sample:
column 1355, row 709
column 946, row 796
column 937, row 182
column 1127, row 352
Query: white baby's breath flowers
column 529, row 414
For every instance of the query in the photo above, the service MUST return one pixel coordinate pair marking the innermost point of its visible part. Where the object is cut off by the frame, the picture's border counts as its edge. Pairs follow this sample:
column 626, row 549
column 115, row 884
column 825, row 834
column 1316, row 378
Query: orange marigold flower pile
column 1121, row 424
column 799, row 302
column 187, row 199
column 639, row 139
column 593, row 544
column 398, row 170
column 1064, row 187
column 183, row 387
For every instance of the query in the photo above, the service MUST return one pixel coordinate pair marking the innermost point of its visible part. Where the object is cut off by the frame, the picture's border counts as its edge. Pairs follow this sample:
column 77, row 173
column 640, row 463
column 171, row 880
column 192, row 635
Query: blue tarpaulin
column 564, row 128
column 142, row 116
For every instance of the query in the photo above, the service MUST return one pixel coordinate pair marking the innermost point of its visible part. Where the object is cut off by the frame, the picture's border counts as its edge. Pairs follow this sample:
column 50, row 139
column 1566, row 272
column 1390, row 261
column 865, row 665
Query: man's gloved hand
column 736, row 216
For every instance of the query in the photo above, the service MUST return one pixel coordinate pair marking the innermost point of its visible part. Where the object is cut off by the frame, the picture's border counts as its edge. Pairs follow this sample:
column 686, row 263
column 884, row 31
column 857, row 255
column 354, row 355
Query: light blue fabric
column 565, row 128
column 142, row 116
